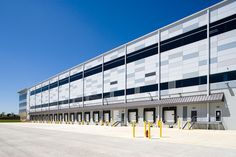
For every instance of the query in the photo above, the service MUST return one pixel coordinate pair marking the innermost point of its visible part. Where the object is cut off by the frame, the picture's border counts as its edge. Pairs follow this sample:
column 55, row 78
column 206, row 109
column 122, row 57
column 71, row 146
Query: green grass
column 9, row 121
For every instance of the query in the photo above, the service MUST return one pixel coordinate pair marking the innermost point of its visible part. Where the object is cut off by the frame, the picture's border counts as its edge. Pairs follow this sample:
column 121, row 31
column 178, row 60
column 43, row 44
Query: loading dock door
column 106, row 117
column 96, row 117
column 87, row 117
column 79, row 117
column 61, row 117
column 66, row 117
column 149, row 116
column 132, row 116
column 169, row 116
column 116, row 115
column 72, row 117
column 55, row 117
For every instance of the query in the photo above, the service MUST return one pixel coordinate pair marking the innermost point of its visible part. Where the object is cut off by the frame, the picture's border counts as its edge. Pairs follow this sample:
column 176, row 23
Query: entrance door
column 169, row 116
column 193, row 116
column 218, row 116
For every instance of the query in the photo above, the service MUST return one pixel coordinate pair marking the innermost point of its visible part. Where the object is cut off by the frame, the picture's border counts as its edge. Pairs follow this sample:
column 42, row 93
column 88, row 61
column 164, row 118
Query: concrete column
column 208, row 115
column 82, row 116
column 158, row 112
column 91, row 117
column 126, row 116
column 111, row 119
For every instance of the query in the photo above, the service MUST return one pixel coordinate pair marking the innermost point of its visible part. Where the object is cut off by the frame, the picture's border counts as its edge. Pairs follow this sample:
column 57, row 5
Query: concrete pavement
column 56, row 140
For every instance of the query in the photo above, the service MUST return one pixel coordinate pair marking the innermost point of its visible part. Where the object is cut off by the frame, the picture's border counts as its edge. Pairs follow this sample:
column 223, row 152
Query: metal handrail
column 190, row 122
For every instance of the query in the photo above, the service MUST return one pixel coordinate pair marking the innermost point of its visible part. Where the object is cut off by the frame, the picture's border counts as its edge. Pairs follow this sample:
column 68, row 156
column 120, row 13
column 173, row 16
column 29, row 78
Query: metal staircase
column 116, row 123
column 192, row 123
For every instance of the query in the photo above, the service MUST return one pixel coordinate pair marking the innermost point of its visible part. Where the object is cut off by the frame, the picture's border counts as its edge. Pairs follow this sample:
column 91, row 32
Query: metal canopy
column 217, row 97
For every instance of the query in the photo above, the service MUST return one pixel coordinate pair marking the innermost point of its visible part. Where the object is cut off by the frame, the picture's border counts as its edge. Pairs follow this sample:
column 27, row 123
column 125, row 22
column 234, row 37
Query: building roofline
column 22, row 90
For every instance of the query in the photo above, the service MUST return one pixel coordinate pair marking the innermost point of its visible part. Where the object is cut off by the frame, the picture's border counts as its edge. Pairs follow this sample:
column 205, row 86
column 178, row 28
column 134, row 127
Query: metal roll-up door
column 72, row 117
column 149, row 116
column 96, row 117
column 55, row 117
column 79, row 117
column 132, row 116
column 66, row 117
column 87, row 117
column 106, row 117
column 169, row 116
column 61, row 117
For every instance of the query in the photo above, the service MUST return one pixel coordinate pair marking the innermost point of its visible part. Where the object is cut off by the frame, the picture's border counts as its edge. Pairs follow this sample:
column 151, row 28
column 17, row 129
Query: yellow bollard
column 82, row 122
column 188, row 125
column 160, row 129
column 145, row 128
column 133, row 125
column 159, row 123
column 149, row 130
column 101, row 122
column 179, row 123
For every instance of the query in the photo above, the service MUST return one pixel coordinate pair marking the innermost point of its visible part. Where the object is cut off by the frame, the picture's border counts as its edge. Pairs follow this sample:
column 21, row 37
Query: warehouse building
column 185, row 71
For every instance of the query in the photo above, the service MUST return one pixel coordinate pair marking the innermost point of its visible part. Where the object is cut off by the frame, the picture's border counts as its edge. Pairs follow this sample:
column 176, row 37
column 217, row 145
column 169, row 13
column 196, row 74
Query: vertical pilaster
column 69, row 90
column 125, row 91
column 83, row 87
column 208, row 52
column 58, row 93
column 102, row 79
column 49, row 96
column 159, row 64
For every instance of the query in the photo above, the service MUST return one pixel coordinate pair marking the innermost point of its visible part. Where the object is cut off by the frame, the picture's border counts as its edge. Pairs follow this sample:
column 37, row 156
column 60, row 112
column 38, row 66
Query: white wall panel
column 142, row 43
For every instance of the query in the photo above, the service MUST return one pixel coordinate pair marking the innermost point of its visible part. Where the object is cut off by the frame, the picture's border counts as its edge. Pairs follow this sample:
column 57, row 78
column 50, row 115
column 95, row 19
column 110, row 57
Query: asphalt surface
column 20, row 141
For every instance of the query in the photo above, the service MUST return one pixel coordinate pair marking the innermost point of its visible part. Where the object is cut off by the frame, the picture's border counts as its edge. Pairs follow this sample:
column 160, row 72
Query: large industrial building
column 185, row 71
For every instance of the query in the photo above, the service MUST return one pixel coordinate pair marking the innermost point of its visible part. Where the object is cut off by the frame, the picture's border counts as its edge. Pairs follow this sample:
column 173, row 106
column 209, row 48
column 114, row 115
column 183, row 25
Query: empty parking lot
column 41, row 140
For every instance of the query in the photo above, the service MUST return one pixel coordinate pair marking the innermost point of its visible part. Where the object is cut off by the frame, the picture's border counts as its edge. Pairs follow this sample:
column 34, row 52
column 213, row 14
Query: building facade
column 185, row 71
column 23, row 107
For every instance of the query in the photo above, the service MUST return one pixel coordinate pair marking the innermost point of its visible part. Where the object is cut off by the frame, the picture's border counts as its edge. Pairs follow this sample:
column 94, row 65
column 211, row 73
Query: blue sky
column 39, row 38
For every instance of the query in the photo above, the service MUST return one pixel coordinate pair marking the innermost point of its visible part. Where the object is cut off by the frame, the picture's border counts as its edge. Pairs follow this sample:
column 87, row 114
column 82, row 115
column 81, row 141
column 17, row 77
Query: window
column 113, row 82
column 171, row 85
column 45, row 88
column 150, row 74
column 143, row 53
column 53, row 85
column 114, row 63
column 76, row 77
column 137, row 90
column 93, row 70
column 185, row 113
column 63, row 81
column 22, row 96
